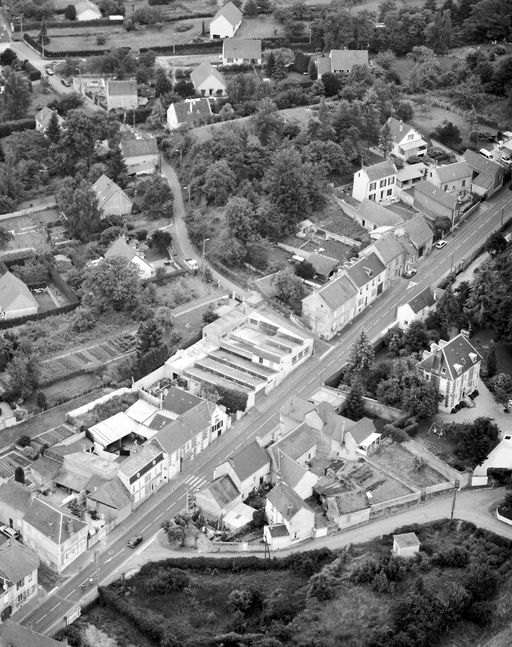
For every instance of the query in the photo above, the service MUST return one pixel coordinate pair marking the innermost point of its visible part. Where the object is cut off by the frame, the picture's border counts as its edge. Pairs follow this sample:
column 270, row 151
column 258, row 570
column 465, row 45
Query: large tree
column 80, row 206
column 219, row 183
column 149, row 337
column 475, row 442
column 16, row 94
column 240, row 218
column 112, row 283
column 289, row 288
column 360, row 361
column 268, row 122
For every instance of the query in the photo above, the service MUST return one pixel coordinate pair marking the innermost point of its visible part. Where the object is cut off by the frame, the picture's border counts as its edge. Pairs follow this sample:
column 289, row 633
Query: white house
column 86, row 10
column 453, row 367
column 112, row 200
column 191, row 112
column 143, row 473
column 208, row 81
column 16, row 300
column 391, row 253
column 331, row 308
column 248, row 469
column 285, row 507
column 406, row 545
column 343, row 60
column 375, row 182
column 121, row 249
column 452, row 178
column 239, row 51
column 121, row 94
column 226, row 22
column 402, row 140
column 18, row 576
column 419, row 307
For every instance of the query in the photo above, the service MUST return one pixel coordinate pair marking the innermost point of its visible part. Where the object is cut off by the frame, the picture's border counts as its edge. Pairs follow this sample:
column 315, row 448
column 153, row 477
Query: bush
column 452, row 558
column 101, row 39
column 8, row 127
column 167, row 580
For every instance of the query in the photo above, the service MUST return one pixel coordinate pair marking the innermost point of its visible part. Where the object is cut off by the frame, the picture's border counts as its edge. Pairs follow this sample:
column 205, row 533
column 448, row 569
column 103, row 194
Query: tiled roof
column 380, row 170
column 452, row 172
column 481, row 164
column 288, row 470
column 140, row 459
column 160, row 420
column 249, row 460
column 139, row 147
column 86, row 5
column 112, row 494
column 378, row 215
column 13, row 634
column 191, row 111
column 14, row 294
column 455, row 356
column 120, row 248
column 322, row 265
column 388, row 248
column 286, row 501
column 448, row 200
column 362, row 429
column 120, row 88
column 338, row 291
column 223, row 490
column 418, row 231
column 241, row 48
column 345, row 59
column 231, row 13
column 297, row 442
column 15, row 495
column 175, row 434
column 16, row 561
column 105, row 188
column 203, row 71
column 180, row 401
column 44, row 116
column 397, row 129
column 51, row 522
column 425, row 299
column 365, row 270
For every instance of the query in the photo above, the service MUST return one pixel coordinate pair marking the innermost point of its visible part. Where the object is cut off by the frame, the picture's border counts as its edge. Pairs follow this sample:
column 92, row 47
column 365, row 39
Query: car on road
column 135, row 541
column 440, row 244
column 49, row 71
column 410, row 273
column 8, row 532
column 66, row 83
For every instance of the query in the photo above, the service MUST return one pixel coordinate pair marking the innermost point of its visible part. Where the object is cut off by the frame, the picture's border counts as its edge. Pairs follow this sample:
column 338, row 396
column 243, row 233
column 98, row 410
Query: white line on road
column 54, row 607
column 160, row 515
column 41, row 618
column 146, row 526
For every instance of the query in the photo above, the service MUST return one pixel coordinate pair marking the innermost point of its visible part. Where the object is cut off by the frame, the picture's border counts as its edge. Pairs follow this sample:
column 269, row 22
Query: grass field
column 399, row 461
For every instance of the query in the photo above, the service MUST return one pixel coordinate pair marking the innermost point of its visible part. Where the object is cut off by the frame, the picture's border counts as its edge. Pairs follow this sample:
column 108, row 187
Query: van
column 485, row 153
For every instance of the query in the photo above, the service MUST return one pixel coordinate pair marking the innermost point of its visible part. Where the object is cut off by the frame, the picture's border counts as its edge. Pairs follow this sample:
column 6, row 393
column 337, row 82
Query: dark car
column 66, row 83
column 135, row 541
column 410, row 273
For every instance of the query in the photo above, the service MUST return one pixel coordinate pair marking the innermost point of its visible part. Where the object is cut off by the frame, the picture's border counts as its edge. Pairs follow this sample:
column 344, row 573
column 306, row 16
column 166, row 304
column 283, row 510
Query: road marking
column 160, row 515
column 54, row 607
column 146, row 527
column 41, row 618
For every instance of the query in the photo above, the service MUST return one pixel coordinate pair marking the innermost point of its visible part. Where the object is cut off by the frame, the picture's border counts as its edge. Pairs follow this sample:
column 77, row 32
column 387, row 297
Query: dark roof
column 179, row 431
column 249, row 460
column 345, row 59
column 297, row 442
column 397, row 129
column 13, row 634
column 456, row 357
column 16, row 561
column 223, row 490
column 51, row 522
column 323, row 265
column 451, row 172
column 279, row 530
column 388, row 247
column 365, row 270
column 159, row 421
column 15, row 495
column 120, row 88
column 191, row 111
column 481, row 164
column 362, row 429
column 45, row 466
column 286, row 501
column 139, row 147
column 425, row 299
column 231, row 13
column 380, row 170
column 418, row 231
column 448, row 200
column 241, row 48
column 338, row 291
column 112, row 494
column 180, row 401
column 377, row 214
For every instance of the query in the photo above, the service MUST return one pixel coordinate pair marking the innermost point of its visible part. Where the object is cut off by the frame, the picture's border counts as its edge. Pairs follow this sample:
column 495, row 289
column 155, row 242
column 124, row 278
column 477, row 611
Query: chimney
column 289, row 508
column 401, row 125
column 70, row 526
column 434, row 295
column 464, row 333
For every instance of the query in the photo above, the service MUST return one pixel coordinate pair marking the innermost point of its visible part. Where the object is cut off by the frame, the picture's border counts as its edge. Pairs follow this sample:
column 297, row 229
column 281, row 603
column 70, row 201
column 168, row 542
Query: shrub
column 453, row 557
column 101, row 39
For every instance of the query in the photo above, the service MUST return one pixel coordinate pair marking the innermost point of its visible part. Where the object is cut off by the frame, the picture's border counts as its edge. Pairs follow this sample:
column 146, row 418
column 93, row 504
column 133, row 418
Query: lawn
column 260, row 27
column 428, row 117
column 44, row 301
column 399, row 461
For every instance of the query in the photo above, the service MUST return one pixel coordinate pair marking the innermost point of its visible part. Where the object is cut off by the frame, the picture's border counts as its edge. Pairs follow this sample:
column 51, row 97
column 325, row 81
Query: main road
column 109, row 559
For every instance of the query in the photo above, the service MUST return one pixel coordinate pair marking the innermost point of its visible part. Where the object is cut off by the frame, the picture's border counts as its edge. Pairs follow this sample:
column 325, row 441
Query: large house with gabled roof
column 141, row 156
column 391, row 253
column 208, row 81
column 487, row 175
column 191, row 112
column 241, row 51
column 340, row 61
column 112, row 200
column 121, row 94
column 416, row 238
column 402, row 140
column 226, row 22
column 18, row 576
column 454, row 368
column 16, row 300
column 290, row 518
column 375, row 182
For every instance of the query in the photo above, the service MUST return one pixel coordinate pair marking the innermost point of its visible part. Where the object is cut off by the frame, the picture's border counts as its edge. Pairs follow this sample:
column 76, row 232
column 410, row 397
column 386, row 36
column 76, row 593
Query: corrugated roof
column 112, row 429
column 241, row 48
column 16, row 561
column 231, row 13
column 286, row 501
column 345, row 59
column 338, row 291
column 365, row 270
column 376, row 214
column 380, row 170
column 203, row 71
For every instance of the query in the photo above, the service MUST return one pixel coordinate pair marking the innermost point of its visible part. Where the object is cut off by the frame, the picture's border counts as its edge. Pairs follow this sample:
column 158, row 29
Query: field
column 320, row 598
column 399, row 461
column 260, row 27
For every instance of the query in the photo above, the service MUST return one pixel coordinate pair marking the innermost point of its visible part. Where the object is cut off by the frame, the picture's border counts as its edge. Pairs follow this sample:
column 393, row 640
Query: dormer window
column 473, row 357
column 443, row 371
column 463, row 360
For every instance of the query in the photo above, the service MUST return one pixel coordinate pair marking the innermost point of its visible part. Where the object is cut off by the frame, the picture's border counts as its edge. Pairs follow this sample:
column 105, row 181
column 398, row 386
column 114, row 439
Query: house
column 226, row 22
column 324, row 266
column 43, row 471
column 375, row 182
column 453, row 367
column 143, row 472
column 15, row 499
column 297, row 476
column 5, row 39
column 409, row 175
column 218, row 498
column 18, row 576
column 239, row 51
column 16, row 300
column 112, row 200
column 368, row 274
column 343, row 60
column 392, row 254
column 13, row 634
column 110, row 500
column 419, row 307
column 347, row 508
column 347, row 438
column 178, row 401
column 487, row 175
column 372, row 215
column 191, row 112
column 120, row 248
column 500, row 458
column 248, row 469
column 57, row 538
column 402, row 140
column 416, row 238
column 284, row 506
column 329, row 309
column 86, row 10
column 43, row 118
column 406, row 545
column 141, row 156
column 435, row 202
column 121, row 94
column 296, row 411
column 208, row 81
column 300, row 445
column 452, row 178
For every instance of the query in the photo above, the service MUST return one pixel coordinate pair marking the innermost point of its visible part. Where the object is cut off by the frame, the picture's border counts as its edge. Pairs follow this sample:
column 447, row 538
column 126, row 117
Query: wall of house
column 431, row 207
column 58, row 556
column 118, row 205
column 146, row 485
column 352, row 518
column 212, row 87
column 304, row 487
column 221, row 28
column 126, row 101
column 302, row 524
column 141, row 163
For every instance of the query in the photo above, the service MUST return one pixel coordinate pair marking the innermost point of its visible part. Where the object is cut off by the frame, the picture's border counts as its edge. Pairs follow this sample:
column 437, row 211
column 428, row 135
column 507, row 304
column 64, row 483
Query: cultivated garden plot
column 399, row 461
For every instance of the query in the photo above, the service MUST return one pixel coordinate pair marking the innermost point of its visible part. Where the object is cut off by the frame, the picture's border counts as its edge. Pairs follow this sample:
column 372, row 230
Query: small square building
column 406, row 545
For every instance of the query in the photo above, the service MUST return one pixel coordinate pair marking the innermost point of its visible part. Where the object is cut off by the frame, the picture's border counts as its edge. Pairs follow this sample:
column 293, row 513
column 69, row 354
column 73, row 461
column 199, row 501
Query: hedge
column 49, row 53
column 32, row 71
column 64, row 24
column 9, row 127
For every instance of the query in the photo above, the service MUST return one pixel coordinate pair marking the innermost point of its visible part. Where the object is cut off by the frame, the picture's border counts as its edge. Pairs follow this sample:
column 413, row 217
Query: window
column 391, row 180
column 410, row 137
column 20, row 597
column 463, row 183
column 382, row 183
column 20, row 583
column 445, row 187
column 373, row 186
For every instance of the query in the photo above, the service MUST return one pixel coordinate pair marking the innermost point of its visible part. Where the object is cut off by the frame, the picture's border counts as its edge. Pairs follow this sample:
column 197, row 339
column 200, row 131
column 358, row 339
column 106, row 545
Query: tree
column 421, row 400
column 240, row 218
column 161, row 240
column 360, row 361
column 149, row 336
column 232, row 399
column 151, row 360
column 305, row 270
column 80, row 208
column 70, row 12
column 53, row 130
column 174, row 532
column 219, row 183
column 23, row 375
column 448, row 134
column 476, row 441
column 112, row 283
column 163, row 83
column 41, row 400
column 267, row 122
column 157, row 201
column 416, row 337
column 495, row 244
column 116, row 167
column 289, row 288
column 270, row 65
column 7, row 57
column 19, row 474
column 404, row 111
column 5, row 237
column 502, row 388
column 353, row 407
column 16, row 94
column 280, row 71
column 491, row 362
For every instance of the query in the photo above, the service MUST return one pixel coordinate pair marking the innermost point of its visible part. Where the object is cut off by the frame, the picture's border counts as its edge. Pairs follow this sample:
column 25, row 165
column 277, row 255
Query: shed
column 406, row 545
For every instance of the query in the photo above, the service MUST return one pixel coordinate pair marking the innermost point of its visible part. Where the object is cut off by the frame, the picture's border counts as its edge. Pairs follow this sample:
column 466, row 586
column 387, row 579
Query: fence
column 394, row 503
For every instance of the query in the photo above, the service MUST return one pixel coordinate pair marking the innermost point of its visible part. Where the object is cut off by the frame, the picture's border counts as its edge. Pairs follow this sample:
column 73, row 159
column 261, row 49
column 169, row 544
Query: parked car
column 410, row 273
column 9, row 532
column 135, row 541
column 49, row 71
column 441, row 243
column 66, row 83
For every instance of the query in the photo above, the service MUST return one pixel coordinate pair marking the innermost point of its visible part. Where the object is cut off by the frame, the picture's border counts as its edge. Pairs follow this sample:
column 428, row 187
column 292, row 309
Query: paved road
column 304, row 381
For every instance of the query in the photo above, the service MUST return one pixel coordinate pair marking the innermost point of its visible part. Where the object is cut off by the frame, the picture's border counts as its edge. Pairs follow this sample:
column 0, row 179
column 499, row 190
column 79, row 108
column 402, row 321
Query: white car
column 440, row 244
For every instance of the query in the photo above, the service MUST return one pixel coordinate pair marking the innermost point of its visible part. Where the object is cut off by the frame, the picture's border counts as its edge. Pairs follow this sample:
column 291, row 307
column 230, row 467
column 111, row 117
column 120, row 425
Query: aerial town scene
column 256, row 323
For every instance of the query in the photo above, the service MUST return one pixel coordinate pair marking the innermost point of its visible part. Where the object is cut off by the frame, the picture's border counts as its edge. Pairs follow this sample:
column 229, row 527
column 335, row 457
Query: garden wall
column 387, row 506
column 73, row 416
column 373, row 407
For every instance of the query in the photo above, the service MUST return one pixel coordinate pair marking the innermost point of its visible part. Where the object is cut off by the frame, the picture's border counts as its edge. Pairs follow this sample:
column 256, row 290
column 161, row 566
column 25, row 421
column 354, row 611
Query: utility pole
column 453, row 502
